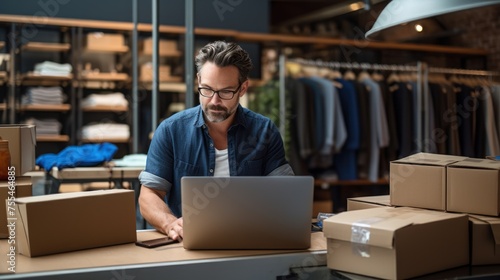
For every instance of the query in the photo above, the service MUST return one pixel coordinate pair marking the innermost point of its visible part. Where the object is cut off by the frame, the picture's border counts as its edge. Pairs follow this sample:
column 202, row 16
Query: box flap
column 478, row 163
column 494, row 223
column 22, row 238
column 383, row 200
column 430, row 159
column 32, row 133
column 31, row 128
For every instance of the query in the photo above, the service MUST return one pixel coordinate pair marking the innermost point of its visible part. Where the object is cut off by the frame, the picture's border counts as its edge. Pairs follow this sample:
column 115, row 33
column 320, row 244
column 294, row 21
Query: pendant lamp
column 404, row 11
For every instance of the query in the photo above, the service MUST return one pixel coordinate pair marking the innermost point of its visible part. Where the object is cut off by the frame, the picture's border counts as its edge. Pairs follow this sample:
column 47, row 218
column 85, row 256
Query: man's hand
column 175, row 230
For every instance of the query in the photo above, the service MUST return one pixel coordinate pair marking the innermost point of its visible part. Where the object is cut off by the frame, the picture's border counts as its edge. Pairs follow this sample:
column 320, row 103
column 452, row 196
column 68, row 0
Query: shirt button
column 211, row 171
column 211, row 144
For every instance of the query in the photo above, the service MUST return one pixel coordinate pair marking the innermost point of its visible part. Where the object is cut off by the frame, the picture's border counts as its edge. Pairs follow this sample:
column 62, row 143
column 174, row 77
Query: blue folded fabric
column 78, row 156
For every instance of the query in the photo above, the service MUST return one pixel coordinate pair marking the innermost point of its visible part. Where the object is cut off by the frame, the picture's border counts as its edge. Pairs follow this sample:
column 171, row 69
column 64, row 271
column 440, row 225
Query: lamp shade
column 403, row 11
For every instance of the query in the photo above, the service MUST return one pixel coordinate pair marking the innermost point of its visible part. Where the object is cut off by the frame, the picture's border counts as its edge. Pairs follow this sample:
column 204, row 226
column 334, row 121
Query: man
column 217, row 138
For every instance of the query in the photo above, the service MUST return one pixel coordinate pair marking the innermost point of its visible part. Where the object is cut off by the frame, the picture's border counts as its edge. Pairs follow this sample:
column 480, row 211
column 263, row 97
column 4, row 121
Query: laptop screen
column 272, row 212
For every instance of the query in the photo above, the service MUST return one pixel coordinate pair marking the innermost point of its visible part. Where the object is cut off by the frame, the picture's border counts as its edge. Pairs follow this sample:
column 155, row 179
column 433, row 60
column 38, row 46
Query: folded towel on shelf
column 132, row 160
column 43, row 95
column 105, row 99
column 45, row 126
column 116, row 131
column 51, row 68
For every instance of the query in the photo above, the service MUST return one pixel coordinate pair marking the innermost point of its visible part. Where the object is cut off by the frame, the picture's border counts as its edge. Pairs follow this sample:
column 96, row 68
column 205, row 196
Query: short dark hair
column 224, row 54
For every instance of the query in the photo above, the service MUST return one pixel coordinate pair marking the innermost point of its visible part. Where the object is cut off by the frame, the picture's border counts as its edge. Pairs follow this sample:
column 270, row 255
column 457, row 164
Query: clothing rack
column 356, row 65
column 420, row 68
column 462, row 71
column 452, row 71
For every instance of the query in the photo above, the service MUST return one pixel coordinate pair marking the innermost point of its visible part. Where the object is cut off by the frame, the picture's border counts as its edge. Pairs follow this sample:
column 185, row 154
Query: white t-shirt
column 221, row 163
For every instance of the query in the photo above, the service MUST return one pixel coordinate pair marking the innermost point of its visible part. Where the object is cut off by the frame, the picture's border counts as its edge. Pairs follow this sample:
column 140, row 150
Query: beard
column 217, row 113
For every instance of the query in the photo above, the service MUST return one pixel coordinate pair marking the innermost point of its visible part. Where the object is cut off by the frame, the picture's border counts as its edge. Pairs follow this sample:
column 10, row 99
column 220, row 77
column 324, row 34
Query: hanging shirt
column 346, row 159
column 380, row 131
column 319, row 113
column 492, row 136
column 334, row 115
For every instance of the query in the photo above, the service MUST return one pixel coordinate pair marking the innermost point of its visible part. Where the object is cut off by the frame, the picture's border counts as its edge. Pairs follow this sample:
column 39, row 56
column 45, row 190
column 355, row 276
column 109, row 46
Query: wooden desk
column 129, row 261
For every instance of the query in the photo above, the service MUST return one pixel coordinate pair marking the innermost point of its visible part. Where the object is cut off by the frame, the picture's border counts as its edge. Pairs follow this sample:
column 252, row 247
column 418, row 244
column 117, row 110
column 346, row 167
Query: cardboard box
column 396, row 242
column 105, row 41
column 163, row 75
column 22, row 144
column 366, row 202
column 420, row 180
column 474, row 187
column 484, row 240
column 165, row 47
column 64, row 222
column 22, row 187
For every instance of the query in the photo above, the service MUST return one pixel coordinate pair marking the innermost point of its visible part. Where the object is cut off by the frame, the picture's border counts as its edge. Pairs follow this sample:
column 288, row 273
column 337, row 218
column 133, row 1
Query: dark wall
column 242, row 15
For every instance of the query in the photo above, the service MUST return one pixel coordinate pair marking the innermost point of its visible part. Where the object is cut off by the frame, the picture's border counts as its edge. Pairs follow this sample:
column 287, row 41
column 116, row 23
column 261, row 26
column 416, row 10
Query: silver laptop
column 271, row 212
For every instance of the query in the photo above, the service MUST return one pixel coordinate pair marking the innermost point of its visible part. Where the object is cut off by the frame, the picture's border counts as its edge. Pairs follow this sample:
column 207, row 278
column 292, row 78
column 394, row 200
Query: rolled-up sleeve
column 154, row 182
column 284, row 170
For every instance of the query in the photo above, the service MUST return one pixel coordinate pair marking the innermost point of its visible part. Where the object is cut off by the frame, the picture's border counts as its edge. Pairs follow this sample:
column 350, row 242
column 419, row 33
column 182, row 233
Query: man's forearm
column 154, row 210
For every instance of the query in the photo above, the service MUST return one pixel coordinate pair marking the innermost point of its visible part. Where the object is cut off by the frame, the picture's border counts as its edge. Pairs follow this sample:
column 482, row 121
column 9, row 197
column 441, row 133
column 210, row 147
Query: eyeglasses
column 223, row 93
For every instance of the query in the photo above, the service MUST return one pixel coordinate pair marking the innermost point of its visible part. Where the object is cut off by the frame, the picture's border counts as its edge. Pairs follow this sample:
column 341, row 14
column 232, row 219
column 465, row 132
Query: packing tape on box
column 360, row 236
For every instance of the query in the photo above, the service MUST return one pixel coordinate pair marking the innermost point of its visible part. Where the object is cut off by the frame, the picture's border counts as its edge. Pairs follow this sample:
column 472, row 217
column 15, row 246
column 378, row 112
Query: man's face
column 220, row 79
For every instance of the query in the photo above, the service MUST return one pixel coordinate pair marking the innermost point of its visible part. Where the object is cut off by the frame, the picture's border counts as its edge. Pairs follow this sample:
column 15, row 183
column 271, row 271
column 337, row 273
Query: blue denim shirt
column 181, row 146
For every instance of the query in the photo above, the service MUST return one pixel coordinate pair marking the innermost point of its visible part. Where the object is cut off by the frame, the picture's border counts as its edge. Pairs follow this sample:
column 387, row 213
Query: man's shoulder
column 182, row 117
column 254, row 117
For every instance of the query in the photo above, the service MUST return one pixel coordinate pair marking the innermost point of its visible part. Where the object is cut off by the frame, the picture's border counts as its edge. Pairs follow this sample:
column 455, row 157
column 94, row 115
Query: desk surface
column 130, row 254
column 100, row 172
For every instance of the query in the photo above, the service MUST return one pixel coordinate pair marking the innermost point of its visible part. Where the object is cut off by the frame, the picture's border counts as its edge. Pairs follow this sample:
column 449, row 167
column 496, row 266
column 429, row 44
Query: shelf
column 3, row 106
column 105, row 77
column 101, row 140
column 2, row 44
column 46, row 47
column 171, row 79
column 110, row 49
column 52, row 138
column 3, row 75
column 46, row 107
column 326, row 42
column 162, row 54
column 242, row 36
column 38, row 77
column 257, row 83
column 165, row 86
column 101, row 108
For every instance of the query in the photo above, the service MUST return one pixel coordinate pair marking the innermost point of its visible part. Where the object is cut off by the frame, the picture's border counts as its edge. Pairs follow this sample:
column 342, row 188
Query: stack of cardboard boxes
column 48, row 224
column 442, row 212
column 166, row 48
column 22, row 141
